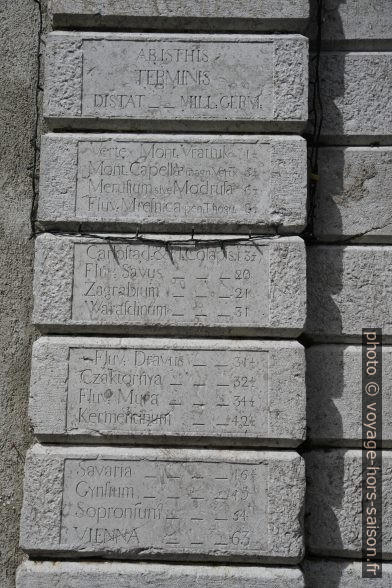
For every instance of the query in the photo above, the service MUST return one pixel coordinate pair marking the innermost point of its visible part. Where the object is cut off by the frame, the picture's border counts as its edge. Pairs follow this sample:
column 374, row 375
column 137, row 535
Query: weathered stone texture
column 156, row 82
column 192, row 505
column 19, row 30
column 277, row 15
column 333, row 503
column 246, row 287
column 325, row 573
column 134, row 575
column 173, row 182
column 168, row 390
column 354, row 24
column 334, row 404
column 354, row 195
column 356, row 89
column 349, row 288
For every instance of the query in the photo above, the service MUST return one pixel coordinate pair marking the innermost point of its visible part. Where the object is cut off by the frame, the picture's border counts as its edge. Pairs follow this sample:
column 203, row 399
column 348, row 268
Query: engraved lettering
column 121, row 79
column 142, row 283
column 139, row 179
column 165, row 505
column 167, row 391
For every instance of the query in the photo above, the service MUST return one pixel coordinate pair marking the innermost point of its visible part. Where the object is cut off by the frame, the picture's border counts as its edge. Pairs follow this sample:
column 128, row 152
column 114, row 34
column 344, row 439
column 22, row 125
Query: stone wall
column 348, row 290
column 176, row 313
column 19, row 42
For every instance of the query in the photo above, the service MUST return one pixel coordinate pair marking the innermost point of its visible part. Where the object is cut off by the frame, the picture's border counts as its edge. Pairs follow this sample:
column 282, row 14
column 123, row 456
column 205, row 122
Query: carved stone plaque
column 168, row 391
column 213, row 285
column 164, row 504
column 123, row 81
column 173, row 182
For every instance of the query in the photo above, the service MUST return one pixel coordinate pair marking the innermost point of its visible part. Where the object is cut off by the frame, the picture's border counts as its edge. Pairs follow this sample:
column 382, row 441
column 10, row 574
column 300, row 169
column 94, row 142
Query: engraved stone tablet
column 32, row 574
column 173, row 182
column 125, row 81
column 165, row 390
column 240, row 287
column 276, row 15
column 164, row 504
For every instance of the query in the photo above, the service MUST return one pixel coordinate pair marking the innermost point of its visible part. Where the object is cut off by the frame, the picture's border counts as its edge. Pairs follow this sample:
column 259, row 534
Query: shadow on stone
column 324, row 318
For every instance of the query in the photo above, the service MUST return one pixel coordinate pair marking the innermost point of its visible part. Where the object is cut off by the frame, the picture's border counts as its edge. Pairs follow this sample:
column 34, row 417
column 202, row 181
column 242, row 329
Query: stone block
column 134, row 575
column 176, row 82
column 334, row 503
column 174, row 183
column 334, row 402
column 349, row 289
column 354, row 195
column 355, row 91
column 325, row 573
column 355, row 24
column 168, row 391
column 173, row 286
column 192, row 505
column 248, row 15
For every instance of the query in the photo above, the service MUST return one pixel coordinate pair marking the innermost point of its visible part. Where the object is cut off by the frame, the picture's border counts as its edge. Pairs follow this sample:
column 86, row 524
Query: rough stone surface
column 355, row 91
column 173, row 391
column 349, row 289
column 134, row 575
column 157, row 81
column 170, row 504
column 251, row 15
column 173, row 182
column 333, row 503
column 19, row 30
column 246, row 287
column 334, row 404
column 354, row 24
column 354, row 195
column 325, row 573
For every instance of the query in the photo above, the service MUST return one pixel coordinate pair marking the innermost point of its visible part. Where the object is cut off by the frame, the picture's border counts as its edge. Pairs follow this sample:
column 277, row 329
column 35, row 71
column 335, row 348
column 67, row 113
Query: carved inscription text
column 186, row 285
column 175, row 181
column 178, row 79
column 171, row 506
column 161, row 391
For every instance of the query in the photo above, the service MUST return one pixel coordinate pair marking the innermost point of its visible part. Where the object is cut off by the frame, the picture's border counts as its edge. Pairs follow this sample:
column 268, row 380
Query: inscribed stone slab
column 173, row 182
column 168, row 391
column 101, row 285
column 140, row 81
column 163, row 503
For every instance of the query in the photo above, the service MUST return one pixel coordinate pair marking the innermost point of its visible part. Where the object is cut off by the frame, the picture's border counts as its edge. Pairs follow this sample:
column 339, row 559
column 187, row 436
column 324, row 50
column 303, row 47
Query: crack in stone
column 359, row 235
column 38, row 89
